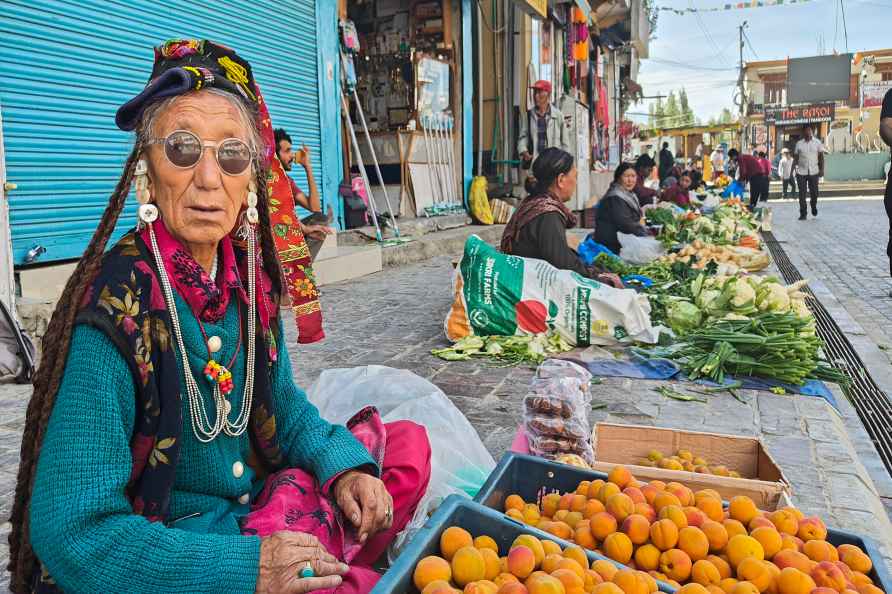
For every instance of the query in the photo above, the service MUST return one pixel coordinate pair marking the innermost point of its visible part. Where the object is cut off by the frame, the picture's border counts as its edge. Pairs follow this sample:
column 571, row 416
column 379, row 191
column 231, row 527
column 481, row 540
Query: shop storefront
column 783, row 125
column 412, row 89
column 65, row 72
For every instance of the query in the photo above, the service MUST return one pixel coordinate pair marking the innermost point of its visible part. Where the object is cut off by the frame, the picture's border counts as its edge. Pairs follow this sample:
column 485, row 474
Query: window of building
column 774, row 92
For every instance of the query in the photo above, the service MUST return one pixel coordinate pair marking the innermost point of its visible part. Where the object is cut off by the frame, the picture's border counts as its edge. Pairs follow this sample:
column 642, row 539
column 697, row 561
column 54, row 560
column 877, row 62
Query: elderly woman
column 166, row 447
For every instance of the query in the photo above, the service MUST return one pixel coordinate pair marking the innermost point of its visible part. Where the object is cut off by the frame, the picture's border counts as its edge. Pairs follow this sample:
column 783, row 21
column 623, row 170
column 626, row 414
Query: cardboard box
column 761, row 478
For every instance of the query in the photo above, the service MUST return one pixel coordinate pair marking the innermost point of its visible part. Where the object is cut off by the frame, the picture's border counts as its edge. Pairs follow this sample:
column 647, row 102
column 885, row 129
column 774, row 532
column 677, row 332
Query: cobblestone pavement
column 395, row 317
column 845, row 247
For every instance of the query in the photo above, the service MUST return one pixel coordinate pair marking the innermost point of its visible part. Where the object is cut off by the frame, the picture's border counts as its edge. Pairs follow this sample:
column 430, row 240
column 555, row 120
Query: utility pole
column 740, row 83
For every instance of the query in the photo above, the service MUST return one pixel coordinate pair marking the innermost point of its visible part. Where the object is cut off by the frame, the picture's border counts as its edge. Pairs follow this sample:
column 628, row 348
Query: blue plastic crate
column 476, row 519
column 527, row 475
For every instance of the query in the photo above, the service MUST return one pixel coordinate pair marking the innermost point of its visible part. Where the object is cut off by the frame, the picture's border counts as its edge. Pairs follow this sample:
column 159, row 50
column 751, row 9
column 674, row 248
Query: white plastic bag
column 639, row 250
column 459, row 461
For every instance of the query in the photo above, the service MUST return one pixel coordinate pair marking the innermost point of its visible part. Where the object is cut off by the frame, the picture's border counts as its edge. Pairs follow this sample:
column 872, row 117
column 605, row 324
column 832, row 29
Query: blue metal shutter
column 65, row 67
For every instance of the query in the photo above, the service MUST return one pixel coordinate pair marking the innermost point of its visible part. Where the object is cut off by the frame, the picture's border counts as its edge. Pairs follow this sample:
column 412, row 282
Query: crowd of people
column 537, row 229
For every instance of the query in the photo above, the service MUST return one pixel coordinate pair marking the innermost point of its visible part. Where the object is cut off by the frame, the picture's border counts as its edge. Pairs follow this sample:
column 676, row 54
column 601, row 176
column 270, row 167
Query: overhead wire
column 845, row 29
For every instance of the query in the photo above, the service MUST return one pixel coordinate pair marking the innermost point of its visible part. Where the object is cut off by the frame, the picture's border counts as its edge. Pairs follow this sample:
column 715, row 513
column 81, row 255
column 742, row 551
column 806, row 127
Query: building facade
column 846, row 126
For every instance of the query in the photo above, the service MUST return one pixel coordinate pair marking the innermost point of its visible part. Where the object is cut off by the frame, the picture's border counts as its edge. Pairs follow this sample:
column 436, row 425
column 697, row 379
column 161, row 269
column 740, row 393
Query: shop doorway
column 407, row 74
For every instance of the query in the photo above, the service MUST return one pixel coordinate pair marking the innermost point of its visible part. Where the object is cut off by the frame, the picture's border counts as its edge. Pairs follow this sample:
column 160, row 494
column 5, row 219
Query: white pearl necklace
column 204, row 430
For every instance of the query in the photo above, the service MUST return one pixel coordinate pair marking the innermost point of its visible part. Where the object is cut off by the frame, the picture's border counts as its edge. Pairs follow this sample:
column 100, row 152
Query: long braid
column 267, row 243
column 56, row 343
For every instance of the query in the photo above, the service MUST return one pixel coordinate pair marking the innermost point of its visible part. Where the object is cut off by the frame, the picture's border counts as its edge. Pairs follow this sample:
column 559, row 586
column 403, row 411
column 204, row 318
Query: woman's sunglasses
column 184, row 149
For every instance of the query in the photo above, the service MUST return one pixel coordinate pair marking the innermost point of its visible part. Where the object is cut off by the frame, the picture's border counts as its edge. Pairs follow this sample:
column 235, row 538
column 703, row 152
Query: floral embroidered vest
column 126, row 302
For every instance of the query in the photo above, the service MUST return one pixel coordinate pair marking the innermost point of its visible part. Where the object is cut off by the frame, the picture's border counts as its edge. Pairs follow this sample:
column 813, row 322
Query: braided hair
column 57, row 340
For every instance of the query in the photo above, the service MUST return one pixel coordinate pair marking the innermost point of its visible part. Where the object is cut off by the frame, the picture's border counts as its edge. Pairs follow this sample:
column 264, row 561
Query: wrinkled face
column 628, row 179
column 286, row 155
column 199, row 205
column 541, row 98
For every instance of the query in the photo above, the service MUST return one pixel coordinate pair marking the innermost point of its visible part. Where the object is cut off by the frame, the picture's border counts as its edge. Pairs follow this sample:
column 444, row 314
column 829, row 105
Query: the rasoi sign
column 803, row 114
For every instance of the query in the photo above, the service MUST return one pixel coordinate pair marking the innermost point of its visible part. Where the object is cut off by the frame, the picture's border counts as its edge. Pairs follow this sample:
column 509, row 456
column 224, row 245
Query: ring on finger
column 307, row 571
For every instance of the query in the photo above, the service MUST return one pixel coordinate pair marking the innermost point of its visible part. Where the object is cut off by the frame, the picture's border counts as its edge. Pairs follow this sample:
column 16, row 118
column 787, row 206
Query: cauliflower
column 744, row 297
column 799, row 307
column 773, row 297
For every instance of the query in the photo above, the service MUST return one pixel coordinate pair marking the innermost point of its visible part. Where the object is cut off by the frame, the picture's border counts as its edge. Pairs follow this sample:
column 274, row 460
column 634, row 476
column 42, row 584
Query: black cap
column 183, row 65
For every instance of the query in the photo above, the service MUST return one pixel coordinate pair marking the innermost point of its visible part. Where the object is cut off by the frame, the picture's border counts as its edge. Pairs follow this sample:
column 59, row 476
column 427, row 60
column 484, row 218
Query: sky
column 702, row 53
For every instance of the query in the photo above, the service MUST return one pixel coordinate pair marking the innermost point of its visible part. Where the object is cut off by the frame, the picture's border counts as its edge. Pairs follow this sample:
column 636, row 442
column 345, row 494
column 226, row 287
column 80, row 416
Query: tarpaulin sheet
column 636, row 367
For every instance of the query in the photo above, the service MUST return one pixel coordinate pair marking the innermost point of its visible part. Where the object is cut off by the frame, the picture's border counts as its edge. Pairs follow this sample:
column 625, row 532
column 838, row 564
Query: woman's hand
column 284, row 554
column 365, row 501
column 609, row 278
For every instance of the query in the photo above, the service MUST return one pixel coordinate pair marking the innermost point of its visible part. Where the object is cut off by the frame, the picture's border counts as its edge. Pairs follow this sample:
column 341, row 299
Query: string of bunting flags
column 734, row 6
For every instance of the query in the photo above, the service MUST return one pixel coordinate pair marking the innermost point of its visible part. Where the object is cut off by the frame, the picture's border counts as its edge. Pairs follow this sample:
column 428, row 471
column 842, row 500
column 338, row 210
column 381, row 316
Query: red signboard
column 874, row 92
column 803, row 114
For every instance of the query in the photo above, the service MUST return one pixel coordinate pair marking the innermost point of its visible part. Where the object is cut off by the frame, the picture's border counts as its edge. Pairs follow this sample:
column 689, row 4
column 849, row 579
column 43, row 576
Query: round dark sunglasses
column 184, row 149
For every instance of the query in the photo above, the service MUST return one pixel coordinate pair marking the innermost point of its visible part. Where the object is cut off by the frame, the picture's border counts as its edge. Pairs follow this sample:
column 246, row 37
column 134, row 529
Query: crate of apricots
column 489, row 560
column 696, row 543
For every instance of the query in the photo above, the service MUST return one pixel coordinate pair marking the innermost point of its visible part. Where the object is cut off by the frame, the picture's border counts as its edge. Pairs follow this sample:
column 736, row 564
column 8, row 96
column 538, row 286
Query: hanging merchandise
column 580, row 35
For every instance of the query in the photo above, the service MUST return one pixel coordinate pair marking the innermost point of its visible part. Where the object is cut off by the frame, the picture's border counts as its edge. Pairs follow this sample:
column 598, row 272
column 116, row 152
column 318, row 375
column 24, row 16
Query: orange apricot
column 647, row 557
column 676, row 564
column 812, row 528
column 716, row 534
column 431, row 569
column 694, row 542
column 740, row 547
column 742, row 509
column 637, row 528
column 618, row 547
column 820, row 550
column 705, row 573
column 769, row 538
column 468, row 565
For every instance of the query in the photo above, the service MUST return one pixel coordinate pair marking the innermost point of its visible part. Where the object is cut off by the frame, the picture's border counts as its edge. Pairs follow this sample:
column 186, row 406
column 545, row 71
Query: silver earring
column 141, row 177
column 251, row 214
column 148, row 212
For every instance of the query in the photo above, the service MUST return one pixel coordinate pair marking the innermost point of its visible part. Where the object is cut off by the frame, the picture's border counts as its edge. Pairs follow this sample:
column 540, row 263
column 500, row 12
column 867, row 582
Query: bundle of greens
column 512, row 350
column 778, row 346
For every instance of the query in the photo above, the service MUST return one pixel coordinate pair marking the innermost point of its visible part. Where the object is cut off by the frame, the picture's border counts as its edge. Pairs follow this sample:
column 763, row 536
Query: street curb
column 450, row 242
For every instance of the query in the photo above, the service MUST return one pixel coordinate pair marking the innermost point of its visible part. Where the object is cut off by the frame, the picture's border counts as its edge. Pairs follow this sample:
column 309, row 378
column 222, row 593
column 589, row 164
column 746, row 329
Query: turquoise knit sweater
column 82, row 526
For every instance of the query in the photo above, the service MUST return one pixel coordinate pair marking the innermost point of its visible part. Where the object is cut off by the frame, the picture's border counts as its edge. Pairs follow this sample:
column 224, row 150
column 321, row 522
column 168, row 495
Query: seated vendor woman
column 167, row 447
column 679, row 193
column 618, row 211
column 644, row 167
column 538, row 228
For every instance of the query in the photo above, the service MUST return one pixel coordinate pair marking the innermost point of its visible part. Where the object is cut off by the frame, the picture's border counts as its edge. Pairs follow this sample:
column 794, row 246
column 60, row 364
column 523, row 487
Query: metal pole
column 432, row 121
column 444, row 161
column 430, row 175
column 459, row 194
column 361, row 166
column 479, row 65
column 368, row 139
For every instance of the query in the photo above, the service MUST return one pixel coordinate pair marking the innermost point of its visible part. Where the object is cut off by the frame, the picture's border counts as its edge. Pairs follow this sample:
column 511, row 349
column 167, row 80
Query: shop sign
column 534, row 8
column 803, row 114
column 874, row 92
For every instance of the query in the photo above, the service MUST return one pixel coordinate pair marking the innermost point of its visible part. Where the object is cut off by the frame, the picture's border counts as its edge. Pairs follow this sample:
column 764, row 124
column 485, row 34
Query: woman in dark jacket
column 538, row 228
column 619, row 211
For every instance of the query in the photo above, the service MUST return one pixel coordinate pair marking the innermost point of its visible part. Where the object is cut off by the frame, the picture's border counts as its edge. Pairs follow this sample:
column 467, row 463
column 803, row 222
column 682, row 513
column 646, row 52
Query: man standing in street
column 886, row 135
column 808, row 157
column 785, row 172
column 316, row 226
column 667, row 162
column 542, row 127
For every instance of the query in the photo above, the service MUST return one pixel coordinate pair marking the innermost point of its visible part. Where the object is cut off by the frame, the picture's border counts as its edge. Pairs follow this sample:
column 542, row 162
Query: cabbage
column 683, row 316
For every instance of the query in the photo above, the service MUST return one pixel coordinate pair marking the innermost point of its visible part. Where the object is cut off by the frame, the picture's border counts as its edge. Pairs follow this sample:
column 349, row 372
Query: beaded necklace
column 205, row 430
column 214, row 371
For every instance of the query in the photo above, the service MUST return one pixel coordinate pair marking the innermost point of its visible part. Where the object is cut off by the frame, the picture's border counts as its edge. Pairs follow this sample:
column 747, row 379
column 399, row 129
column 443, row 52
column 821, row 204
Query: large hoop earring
column 148, row 213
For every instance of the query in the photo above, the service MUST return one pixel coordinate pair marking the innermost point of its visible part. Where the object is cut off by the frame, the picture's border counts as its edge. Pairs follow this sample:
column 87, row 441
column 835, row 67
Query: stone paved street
column 844, row 247
column 395, row 317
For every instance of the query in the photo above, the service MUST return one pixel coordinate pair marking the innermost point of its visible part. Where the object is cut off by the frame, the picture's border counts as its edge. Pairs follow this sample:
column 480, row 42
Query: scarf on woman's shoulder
column 623, row 194
column 125, row 301
column 530, row 208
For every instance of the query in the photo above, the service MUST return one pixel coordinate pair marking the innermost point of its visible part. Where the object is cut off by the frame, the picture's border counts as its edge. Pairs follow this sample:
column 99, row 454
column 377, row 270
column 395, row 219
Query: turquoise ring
column 307, row 572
